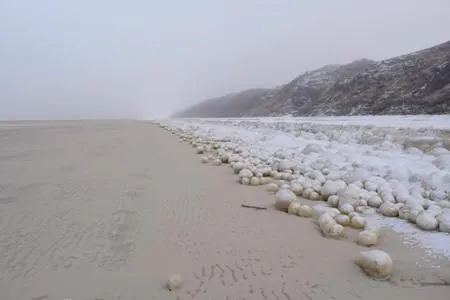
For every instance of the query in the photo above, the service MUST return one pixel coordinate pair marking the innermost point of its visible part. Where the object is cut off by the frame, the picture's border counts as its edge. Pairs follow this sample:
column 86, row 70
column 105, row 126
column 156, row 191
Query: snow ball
column 367, row 238
column 204, row 159
column 324, row 219
column 312, row 148
column 306, row 193
column 370, row 185
column 374, row 227
column 293, row 208
column 423, row 143
column 413, row 151
column 434, row 210
column 331, row 187
column 388, row 209
column 245, row 173
column 346, row 208
column 360, row 209
column 200, row 150
column 174, row 282
column 444, row 222
column 258, row 174
column 362, row 202
column 245, row 180
column 285, row 186
column 305, row 211
column 238, row 166
column 297, row 188
column 350, row 195
column 333, row 200
column 264, row 180
column 314, row 196
column 286, row 165
column 443, row 204
column 255, row 181
column 358, row 222
column 427, row 221
column 333, row 230
column 316, row 185
column 375, row 263
column 272, row 187
column 319, row 209
column 333, row 211
column 216, row 162
column 343, row 220
column 410, row 211
column 283, row 198
column 438, row 195
column 438, row 151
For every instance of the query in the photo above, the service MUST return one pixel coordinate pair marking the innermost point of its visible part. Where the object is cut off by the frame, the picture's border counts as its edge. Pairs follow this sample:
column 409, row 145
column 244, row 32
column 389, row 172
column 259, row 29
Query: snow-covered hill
column 416, row 83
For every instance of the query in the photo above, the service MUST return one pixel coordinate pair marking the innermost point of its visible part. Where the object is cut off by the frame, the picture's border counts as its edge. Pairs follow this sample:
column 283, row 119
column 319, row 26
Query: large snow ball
column 358, row 222
column 245, row 180
column 375, row 263
column 351, row 195
column 324, row 219
column 374, row 201
column 174, row 282
column 255, row 181
column 427, row 221
column 388, row 209
column 333, row 230
column 367, row 238
column 333, row 200
column 306, row 193
column 293, row 207
column 264, row 180
column 297, row 188
column 272, row 187
column 343, row 220
column 312, row 148
column 410, row 211
column 204, row 159
column 305, row 211
column 346, row 208
column 331, row 187
column 245, row 173
column 283, row 198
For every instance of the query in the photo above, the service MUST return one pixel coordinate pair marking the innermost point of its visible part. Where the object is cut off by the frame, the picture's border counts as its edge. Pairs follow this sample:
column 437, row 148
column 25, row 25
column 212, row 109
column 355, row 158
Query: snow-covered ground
column 408, row 154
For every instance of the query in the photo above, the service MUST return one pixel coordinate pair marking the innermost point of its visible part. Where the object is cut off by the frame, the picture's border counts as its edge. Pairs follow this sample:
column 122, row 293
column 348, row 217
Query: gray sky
column 145, row 58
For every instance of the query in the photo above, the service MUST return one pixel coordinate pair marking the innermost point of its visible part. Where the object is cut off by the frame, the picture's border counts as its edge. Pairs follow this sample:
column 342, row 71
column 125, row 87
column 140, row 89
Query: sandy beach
column 102, row 210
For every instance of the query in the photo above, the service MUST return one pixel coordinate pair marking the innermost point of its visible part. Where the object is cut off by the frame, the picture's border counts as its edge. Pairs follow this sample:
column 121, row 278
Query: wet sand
column 109, row 209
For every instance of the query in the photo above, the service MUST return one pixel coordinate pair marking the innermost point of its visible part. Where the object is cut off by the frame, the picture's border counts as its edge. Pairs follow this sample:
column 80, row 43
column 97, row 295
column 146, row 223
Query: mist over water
column 142, row 59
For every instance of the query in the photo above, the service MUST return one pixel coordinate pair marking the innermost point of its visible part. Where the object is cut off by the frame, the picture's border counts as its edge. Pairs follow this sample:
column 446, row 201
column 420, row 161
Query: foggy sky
column 145, row 58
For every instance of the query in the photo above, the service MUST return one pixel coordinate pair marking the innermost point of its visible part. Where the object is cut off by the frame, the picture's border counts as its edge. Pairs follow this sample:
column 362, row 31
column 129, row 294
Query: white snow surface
column 372, row 145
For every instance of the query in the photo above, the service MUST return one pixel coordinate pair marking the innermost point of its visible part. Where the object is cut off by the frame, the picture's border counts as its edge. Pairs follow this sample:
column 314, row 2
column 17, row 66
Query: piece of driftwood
column 252, row 206
column 445, row 283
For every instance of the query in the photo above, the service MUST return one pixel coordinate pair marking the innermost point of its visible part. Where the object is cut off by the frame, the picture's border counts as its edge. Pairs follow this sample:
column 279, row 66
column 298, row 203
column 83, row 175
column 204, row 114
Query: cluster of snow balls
column 350, row 192
column 287, row 201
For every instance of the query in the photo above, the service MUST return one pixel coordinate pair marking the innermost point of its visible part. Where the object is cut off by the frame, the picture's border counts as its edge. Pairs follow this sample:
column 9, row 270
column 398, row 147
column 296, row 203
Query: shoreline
column 101, row 212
